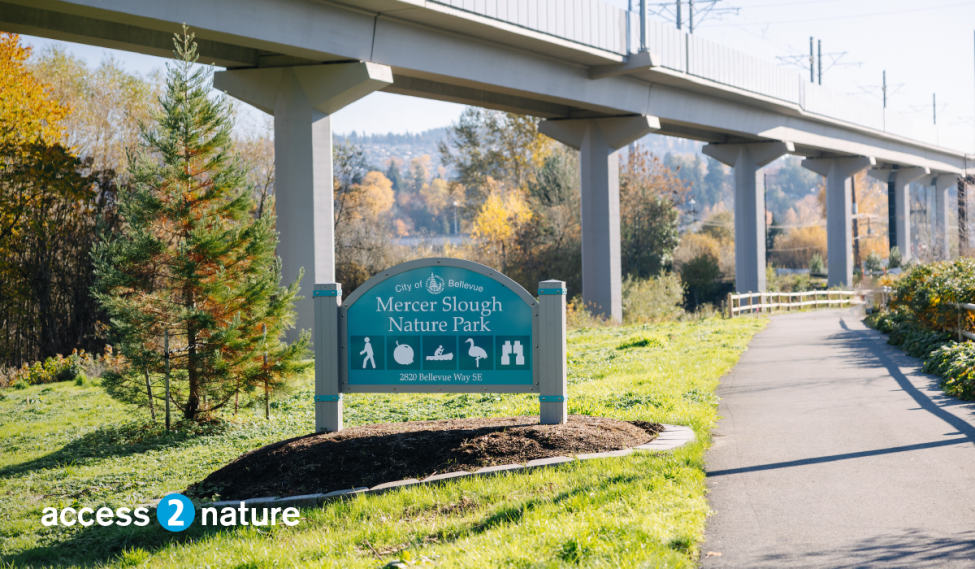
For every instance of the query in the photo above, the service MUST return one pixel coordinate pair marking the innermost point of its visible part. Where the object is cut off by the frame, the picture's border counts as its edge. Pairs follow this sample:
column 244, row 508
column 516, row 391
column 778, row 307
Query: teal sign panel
column 440, row 327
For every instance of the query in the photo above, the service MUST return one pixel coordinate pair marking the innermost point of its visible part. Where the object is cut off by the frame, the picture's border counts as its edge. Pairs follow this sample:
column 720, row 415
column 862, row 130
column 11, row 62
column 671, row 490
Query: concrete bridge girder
column 483, row 62
column 442, row 53
column 598, row 141
column 302, row 99
column 839, row 212
column 747, row 160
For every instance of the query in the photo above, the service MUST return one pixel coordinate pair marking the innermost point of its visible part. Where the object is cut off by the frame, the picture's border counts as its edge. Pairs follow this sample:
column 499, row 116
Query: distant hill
column 379, row 148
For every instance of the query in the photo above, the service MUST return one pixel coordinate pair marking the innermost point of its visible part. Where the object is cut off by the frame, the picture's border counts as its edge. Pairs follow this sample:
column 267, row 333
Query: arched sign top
column 440, row 262
column 440, row 325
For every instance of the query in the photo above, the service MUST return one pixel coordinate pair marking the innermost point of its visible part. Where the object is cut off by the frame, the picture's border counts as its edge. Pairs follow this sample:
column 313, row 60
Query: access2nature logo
column 175, row 513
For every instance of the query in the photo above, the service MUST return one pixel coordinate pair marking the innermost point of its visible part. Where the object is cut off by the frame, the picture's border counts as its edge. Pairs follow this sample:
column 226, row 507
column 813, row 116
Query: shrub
column 652, row 300
column 577, row 315
column 79, row 365
column 929, row 293
column 955, row 364
column 895, row 258
column 916, row 340
column 886, row 321
column 874, row 263
column 816, row 265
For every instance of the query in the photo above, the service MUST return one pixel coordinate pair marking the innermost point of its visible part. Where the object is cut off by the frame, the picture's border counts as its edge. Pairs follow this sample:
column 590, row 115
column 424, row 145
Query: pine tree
column 192, row 261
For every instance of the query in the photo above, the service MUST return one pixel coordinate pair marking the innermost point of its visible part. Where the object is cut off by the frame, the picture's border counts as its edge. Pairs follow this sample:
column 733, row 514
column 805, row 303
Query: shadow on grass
column 118, row 441
column 96, row 546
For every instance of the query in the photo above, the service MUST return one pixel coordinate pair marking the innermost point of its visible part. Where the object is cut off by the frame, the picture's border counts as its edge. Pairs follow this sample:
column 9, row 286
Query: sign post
column 551, row 323
column 439, row 326
column 328, row 396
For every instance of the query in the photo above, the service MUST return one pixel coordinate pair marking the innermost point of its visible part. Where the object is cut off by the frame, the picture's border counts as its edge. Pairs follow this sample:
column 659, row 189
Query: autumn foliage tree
column 193, row 263
column 649, row 195
column 502, row 215
column 53, row 205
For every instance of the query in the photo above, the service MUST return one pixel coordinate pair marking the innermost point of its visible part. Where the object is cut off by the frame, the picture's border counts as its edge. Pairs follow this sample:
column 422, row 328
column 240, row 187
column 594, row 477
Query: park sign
column 439, row 326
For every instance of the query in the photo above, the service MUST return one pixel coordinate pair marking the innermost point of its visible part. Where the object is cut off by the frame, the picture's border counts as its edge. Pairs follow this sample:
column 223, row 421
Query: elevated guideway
column 579, row 64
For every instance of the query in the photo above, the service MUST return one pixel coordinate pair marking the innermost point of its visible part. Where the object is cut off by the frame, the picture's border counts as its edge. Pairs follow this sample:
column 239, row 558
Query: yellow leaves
column 501, row 215
column 107, row 104
column 795, row 248
column 376, row 194
column 437, row 196
column 400, row 229
column 28, row 111
column 367, row 200
column 694, row 245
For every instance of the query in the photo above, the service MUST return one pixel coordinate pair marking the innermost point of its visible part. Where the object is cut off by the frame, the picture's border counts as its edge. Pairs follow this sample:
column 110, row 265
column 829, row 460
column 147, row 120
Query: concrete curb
column 672, row 437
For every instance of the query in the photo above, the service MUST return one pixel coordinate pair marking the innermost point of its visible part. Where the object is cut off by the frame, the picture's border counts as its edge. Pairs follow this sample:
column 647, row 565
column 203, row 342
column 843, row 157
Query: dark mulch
column 374, row 454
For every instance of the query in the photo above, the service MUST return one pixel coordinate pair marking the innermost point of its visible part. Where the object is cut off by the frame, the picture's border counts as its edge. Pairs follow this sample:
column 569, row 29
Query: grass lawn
column 73, row 446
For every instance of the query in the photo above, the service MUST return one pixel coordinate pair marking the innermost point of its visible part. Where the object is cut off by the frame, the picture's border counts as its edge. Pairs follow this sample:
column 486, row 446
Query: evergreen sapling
column 194, row 260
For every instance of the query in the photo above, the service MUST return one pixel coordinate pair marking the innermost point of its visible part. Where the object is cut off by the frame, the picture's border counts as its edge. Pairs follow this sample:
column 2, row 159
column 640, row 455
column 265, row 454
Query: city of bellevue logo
column 435, row 284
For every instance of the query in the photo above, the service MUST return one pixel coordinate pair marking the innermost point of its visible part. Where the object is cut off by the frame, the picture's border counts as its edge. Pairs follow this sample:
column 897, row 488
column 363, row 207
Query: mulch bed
column 374, row 454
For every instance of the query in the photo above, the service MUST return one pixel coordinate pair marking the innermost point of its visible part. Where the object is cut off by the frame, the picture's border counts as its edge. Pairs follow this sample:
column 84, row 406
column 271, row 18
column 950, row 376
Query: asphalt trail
column 834, row 450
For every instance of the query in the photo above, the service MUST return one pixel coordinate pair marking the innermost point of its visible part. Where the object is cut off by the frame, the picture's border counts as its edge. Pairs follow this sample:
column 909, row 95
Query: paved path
column 836, row 451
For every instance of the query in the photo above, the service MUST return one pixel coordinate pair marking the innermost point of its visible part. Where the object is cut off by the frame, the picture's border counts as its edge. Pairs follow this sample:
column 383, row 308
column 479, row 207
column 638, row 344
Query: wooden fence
column 768, row 302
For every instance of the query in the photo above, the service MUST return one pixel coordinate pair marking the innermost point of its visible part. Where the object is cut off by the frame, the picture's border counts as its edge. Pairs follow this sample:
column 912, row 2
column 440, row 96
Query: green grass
column 75, row 446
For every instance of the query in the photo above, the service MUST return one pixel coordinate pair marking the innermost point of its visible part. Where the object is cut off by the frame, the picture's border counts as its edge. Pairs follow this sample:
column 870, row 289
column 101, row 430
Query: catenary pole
column 819, row 46
column 678, row 14
column 812, row 69
column 643, row 40
column 884, row 88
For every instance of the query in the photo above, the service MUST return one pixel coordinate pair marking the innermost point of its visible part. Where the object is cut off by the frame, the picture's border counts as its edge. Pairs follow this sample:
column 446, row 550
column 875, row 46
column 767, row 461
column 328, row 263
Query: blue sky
column 924, row 47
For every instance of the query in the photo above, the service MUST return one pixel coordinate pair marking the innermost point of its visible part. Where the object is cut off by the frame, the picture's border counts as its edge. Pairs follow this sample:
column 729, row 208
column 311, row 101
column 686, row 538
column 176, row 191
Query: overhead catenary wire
column 753, row 26
column 865, row 15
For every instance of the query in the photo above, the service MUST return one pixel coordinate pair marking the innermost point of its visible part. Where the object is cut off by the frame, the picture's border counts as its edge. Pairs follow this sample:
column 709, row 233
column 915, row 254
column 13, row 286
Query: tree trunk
column 152, row 409
column 193, row 395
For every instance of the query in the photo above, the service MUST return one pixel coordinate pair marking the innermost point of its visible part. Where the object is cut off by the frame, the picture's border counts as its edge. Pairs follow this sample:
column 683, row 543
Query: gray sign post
column 328, row 396
column 551, row 325
column 439, row 326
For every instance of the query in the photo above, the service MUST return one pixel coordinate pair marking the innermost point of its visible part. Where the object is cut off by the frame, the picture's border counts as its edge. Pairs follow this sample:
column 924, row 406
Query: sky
column 925, row 48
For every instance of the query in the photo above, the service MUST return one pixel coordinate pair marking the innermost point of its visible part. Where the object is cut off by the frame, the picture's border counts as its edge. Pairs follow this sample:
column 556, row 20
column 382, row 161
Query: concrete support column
column 839, row 213
column 748, row 161
column 940, row 236
column 597, row 141
column 899, row 204
column 302, row 99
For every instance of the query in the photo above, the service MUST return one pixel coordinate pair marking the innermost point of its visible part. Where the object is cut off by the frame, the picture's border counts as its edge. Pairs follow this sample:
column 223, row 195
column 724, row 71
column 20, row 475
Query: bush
column 928, row 292
column 917, row 341
column 577, row 315
column 816, row 265
column 895, row 258
column 955, row 364
column 874, row 264
column 885, row 321
column 78, row 367
column 652, row 300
